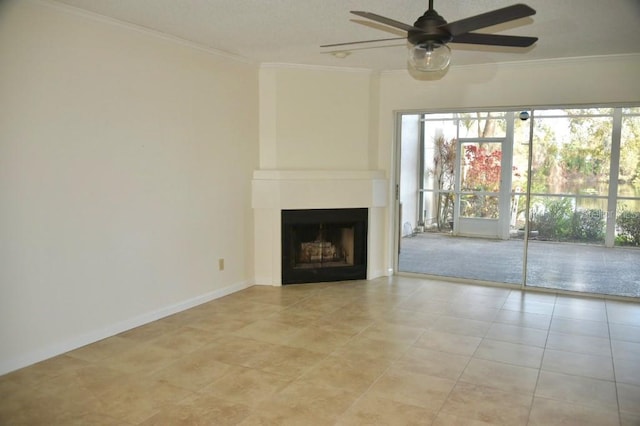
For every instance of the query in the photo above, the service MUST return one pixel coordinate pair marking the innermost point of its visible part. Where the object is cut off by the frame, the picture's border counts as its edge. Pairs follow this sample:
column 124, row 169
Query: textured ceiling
column 291, row 31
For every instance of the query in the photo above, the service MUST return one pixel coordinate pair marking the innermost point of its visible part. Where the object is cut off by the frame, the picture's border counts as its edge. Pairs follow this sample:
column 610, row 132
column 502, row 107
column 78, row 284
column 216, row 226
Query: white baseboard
column 264, row 281
column 7, row 366
column 377, row 273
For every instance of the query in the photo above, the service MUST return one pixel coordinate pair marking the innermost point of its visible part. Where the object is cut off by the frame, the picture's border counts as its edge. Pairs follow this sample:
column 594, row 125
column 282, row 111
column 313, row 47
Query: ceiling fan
column 428, row 36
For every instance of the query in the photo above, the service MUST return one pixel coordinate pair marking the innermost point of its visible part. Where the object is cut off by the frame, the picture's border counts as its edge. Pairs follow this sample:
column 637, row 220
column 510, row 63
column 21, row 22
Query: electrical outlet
column 221, row 264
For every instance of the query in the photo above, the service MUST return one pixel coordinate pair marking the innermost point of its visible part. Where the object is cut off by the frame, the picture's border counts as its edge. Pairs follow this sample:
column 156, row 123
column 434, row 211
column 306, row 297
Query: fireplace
column 277, row 192
column 324, row 245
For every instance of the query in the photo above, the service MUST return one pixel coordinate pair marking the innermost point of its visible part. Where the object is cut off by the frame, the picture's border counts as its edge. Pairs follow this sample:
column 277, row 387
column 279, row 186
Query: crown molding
column 266, row 65
column 143, row 30
column 278, row 65
column 528, row 63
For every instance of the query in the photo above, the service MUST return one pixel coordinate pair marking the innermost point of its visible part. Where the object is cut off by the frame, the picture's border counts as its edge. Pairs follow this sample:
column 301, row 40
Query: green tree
column 545, row 156
column 630, row 152
column 585, row 159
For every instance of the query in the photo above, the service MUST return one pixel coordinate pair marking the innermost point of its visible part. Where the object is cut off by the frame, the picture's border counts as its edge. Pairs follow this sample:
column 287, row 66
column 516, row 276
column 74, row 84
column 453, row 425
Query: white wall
column 599, row 80
column 125, row 174
column 315, row 119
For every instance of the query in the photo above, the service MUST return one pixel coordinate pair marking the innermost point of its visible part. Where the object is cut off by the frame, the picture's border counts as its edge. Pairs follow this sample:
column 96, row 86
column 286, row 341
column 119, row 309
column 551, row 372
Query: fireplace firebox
column 321, row 245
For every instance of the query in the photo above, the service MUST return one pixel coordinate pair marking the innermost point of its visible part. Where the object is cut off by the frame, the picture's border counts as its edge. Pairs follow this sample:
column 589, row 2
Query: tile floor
column 397, row 351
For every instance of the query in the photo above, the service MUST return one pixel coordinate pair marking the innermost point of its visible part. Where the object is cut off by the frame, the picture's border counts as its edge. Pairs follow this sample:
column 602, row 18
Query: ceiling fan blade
column 364, row 41
column 385, row 20
column 488, row 19
column 494, row 39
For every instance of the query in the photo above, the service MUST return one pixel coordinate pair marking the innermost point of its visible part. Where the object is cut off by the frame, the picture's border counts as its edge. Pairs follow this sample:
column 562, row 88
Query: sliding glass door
column 475, row 187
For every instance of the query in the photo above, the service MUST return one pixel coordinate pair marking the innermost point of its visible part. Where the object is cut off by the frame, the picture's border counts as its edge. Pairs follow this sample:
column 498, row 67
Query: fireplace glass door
column 323, row 245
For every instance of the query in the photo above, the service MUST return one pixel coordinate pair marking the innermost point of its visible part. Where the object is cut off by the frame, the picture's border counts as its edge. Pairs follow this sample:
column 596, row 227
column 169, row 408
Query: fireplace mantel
column 317, row 189
column 277, row 190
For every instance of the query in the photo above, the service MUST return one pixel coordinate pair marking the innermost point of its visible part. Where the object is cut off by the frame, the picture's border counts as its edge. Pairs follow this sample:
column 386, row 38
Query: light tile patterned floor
column 396, row 351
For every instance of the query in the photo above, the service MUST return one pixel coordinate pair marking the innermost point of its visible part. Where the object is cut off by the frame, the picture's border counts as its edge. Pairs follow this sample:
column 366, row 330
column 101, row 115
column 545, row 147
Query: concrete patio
column 563, row 266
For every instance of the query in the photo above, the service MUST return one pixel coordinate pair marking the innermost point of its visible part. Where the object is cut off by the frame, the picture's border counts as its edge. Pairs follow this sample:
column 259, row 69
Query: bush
column 554, row 222
column 588, row 225
column 623, row 240
column 628, row 228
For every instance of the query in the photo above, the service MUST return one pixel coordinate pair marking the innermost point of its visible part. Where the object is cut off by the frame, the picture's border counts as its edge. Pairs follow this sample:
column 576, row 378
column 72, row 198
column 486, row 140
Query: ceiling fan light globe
column 429, row 57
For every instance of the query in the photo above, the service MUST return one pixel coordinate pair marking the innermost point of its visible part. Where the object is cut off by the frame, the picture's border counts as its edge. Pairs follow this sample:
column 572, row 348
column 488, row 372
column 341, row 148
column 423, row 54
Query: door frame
column 486, row 227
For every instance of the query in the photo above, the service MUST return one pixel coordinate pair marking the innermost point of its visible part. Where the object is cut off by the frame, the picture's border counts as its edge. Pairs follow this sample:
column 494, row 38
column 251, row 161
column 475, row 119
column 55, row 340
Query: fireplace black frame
column 356, row 217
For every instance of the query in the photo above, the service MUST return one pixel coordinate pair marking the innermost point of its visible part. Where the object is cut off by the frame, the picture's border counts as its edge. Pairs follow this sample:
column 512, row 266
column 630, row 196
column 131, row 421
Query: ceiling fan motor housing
column 430, row 23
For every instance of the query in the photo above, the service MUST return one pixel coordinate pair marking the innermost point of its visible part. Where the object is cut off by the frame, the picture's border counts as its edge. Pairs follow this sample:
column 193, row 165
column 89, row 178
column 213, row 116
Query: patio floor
column 564, row 266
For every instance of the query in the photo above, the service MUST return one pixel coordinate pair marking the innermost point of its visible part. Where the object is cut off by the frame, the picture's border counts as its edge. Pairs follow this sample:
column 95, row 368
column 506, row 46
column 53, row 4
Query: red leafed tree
column 482, row 171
